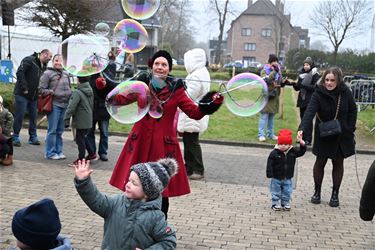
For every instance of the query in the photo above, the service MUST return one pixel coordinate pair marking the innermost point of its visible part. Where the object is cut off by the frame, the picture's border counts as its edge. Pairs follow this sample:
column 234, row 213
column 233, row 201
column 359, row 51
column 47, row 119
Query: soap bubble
column 84, row 55
column 129, row 101
column 140, row 9
column 102, row 29
column 130, row 35
column 246, row 94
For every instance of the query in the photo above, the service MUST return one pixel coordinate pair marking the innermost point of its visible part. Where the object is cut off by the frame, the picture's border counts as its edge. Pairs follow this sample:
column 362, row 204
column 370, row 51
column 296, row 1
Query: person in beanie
column 132, row 220
column 154, row 136
column 271, row 73
column 37, row 227
column 280, row 167
column 6, row 132
column 308, row 76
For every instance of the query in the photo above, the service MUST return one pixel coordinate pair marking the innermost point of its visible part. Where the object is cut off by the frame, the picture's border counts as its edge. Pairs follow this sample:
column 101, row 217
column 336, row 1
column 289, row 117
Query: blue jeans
column 22, row 104
column 281, row 190
column 266, row 118
column 103, row 141
column 54, row 141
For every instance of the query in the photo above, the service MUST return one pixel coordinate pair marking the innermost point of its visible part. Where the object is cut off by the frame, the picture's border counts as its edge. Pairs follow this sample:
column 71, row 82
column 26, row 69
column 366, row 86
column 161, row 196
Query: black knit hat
column 272, row 58
column 37, row 225
column 161, row 53
column 155, row 176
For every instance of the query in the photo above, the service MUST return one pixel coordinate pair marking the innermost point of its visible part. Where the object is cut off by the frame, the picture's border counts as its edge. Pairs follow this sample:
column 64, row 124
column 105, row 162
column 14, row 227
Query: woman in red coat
column 151, row 138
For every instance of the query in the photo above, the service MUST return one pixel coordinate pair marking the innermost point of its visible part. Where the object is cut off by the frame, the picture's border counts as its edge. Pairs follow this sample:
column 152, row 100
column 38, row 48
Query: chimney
column 249, row 3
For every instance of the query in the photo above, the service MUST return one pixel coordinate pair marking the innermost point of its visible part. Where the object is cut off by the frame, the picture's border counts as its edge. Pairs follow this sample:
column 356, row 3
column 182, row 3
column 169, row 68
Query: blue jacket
column 128, row 223
column 63, row 243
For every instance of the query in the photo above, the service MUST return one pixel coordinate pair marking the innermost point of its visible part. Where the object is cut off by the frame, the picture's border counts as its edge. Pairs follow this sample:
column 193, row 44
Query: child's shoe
column 8, row 160
column 286, row 207
column 34, row 141
column 92, row 157
column 276, row 207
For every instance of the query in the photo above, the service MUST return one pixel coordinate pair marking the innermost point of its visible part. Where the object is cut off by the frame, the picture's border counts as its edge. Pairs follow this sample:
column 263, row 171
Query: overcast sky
column 300, row 11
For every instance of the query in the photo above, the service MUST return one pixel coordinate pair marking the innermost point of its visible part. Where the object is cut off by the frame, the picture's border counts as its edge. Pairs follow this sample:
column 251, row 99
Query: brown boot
column 8, row 160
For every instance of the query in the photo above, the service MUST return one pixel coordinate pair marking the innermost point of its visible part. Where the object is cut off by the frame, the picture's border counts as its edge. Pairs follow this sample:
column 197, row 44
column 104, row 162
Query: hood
column 148, row 205
column 194, row 59
column 85, row 88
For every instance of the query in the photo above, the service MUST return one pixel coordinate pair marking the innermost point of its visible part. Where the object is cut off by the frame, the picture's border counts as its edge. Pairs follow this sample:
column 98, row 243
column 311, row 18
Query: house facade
column 263, row 29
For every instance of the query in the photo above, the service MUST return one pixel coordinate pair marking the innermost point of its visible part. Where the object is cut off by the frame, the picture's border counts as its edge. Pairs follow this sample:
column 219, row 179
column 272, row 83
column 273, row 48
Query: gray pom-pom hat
column 155, row 176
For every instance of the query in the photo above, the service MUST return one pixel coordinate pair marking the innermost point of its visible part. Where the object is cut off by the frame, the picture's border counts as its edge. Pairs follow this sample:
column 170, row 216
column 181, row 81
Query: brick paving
column 229, row 210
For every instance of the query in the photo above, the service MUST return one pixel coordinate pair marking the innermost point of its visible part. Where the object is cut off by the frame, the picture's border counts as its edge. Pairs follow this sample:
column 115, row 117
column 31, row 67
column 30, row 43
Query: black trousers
column 192, row 153
column 81, row 142
column 307, row 133
column 165, row 206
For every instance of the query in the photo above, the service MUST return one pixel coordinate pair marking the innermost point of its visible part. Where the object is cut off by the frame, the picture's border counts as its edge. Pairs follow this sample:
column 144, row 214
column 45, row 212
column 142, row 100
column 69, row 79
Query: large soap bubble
column 129, row 101
column 130, row 35
column 102, row 29
column 84, row 55
column 246, row 94
column 140, row 9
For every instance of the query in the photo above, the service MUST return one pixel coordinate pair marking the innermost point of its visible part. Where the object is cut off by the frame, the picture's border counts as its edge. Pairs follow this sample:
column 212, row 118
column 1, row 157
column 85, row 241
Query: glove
column 100, row 82
column 211, row 102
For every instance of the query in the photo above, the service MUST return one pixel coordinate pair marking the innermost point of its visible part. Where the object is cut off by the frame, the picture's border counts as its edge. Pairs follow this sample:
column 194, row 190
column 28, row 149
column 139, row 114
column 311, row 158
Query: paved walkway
column 229, row 210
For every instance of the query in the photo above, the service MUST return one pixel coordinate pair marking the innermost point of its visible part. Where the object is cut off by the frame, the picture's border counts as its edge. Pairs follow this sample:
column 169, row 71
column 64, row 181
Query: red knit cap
column 285, row 137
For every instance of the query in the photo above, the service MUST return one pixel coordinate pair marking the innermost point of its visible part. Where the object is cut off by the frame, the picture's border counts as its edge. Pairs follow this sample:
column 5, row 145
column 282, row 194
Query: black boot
column 315, row 199
column 334, row 201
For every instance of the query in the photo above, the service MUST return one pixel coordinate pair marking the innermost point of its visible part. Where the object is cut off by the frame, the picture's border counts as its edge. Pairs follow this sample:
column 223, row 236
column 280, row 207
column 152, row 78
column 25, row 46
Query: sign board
column 6, row 71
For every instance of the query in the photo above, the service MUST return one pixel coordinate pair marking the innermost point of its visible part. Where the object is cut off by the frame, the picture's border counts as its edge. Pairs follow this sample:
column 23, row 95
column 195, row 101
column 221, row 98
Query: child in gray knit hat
column 132, row 220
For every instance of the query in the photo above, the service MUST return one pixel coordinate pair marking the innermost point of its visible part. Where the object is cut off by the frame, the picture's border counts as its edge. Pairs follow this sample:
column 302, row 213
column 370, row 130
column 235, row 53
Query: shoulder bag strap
column 337, row 109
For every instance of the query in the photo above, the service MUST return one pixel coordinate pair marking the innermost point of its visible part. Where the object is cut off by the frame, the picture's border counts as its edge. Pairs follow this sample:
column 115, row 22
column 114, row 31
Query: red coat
column 152, row 139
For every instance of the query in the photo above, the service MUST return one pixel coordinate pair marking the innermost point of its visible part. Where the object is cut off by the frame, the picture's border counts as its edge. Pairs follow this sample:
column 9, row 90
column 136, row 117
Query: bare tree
column 221, row 11
column 65, row 18
column 339, row 20
column 176, row 33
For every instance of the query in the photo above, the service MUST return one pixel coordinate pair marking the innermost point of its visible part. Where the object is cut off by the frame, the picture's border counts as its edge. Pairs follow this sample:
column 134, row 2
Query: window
column 250, row 46
column 246, row 32
column 266, row 32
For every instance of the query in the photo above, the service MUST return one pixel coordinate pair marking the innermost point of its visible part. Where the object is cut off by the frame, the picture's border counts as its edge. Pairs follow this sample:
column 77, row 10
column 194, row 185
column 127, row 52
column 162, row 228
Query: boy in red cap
column 280, row 167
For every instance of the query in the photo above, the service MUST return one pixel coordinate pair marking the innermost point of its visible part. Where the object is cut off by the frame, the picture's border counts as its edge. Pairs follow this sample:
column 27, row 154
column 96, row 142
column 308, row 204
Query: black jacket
column 324, row 103
column 367, row 204
column 280, row 165
column 100, row 111
column 28, row 75
column 306, row 84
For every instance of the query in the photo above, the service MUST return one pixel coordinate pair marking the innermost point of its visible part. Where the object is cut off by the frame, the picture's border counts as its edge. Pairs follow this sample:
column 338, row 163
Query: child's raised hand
column 82, row 170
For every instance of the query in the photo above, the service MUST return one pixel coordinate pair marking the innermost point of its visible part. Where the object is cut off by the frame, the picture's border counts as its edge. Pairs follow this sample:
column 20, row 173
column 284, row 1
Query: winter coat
column 271, row 76
column 128, row 223
column 80, row 107
column 6, row 121
column 56, row 80
column 62, row 243
column 367, row 203
column 152, row 139
column 306, row 84
column 198, row 84
column 280, row 165
column 324, row 103
column 100, row 110
column 28, row 75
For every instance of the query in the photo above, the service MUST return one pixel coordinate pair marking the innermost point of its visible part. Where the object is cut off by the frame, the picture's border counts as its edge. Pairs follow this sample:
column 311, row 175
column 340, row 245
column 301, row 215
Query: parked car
column 257, row 65
column 233, row 64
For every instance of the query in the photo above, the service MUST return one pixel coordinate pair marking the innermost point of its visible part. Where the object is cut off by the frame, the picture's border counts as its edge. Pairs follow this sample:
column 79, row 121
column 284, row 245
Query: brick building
column 263, row 29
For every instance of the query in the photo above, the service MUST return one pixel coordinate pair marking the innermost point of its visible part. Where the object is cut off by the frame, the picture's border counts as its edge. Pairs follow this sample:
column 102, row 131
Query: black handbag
column 332, row 127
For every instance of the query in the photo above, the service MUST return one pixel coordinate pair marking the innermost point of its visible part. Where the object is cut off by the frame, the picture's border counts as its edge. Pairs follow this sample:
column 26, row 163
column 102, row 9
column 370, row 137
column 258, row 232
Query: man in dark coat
column 26, row 93
column 100, row 113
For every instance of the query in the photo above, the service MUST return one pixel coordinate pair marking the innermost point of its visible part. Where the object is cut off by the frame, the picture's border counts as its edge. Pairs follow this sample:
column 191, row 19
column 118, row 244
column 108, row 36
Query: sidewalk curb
column 225, row 143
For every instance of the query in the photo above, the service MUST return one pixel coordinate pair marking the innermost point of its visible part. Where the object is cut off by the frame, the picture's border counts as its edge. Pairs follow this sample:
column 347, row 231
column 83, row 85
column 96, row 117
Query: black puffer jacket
column 100, row 111
column 280, row 165
column 324, row 103
column 306, row 85
column 28, row 75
